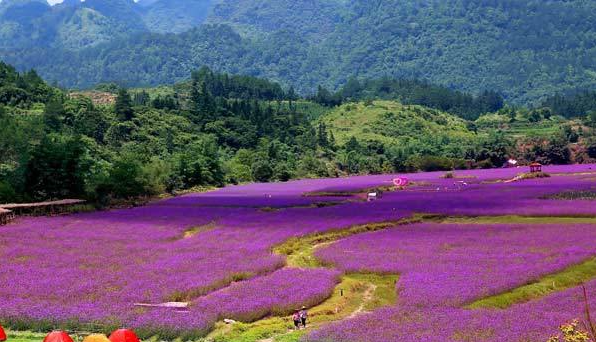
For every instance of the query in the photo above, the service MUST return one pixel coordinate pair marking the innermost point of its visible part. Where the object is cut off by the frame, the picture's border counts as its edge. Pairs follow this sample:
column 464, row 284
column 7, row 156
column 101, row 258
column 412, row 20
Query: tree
column 291, row 95
column 123, row 106
column 56, row 168
column 534, row 116
column 199, row 164
column 492, row 101
column 125, row 179
column 557, row 151
column 262, row 171
column 322, row 138
column 202, row 103
column 141, row 99
column 352, row 145
column 352, row 88
column 592, row 150
column 326, row 98
column 569, row 134
column 495, row 148
column 91, row 122
column 332, row 140
column 591, row 119
column 53, row 116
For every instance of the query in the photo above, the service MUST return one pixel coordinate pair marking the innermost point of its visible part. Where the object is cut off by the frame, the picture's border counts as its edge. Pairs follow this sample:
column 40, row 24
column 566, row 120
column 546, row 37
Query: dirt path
column 366, row 298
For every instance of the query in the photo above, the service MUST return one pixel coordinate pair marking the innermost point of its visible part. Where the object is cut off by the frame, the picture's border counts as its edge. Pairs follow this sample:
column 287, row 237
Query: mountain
column 71, row 25
column 174, row 16
column 525, row 50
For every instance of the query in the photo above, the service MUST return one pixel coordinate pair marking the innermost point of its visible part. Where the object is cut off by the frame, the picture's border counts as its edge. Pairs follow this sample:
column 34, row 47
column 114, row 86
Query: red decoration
column 57, row 336
column 2, row 334
column 124, row 335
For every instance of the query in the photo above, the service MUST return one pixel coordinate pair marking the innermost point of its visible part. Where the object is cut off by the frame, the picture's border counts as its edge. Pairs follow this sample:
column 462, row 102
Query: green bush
column 7, row 193
column 433, row 163
column 449, row 175
column 485, row 164
column 261, row 171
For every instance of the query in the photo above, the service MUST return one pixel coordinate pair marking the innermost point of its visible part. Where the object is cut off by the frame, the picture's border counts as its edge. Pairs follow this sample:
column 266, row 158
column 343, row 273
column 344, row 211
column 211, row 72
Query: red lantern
column 57, row 336
column 2, row 334
column 124, row 335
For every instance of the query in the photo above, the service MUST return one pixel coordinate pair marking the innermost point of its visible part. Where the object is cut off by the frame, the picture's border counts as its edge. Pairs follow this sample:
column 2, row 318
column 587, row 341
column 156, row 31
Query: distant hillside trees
column 239, row 87
column 572, row 106
column 422, row 93
column 216, row 129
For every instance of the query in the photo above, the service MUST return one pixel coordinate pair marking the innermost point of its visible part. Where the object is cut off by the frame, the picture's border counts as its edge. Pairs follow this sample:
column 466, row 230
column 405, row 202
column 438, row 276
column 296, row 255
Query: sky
column 53, row 2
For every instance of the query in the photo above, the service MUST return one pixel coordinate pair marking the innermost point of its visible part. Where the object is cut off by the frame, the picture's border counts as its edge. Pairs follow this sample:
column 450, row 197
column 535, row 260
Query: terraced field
column 472, row 258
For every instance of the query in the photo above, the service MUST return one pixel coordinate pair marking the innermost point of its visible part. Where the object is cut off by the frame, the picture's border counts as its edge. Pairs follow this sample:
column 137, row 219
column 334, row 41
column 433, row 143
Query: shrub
column 485, row 164
column 532, row 175
column 7, row 193
column 431, row 163
column 571, row 333
column 261, row 171
column 573, row 195
column 592, row 150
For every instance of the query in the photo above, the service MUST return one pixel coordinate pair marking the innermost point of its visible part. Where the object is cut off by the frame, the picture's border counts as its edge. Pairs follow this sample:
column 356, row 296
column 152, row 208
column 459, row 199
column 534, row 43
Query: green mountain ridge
column 526, row 50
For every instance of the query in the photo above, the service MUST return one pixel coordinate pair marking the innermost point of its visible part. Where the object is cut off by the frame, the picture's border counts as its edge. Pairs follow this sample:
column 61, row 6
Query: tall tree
column 203, row 105
column 52, row 116
column 56, row 168
column 123, row 107
column 322, row 138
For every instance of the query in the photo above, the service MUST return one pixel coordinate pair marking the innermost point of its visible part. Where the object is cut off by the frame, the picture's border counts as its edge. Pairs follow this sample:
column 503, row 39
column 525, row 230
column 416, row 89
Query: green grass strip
column 300, row 250
column 26, row 336
column 513, row 219
column 568, row 278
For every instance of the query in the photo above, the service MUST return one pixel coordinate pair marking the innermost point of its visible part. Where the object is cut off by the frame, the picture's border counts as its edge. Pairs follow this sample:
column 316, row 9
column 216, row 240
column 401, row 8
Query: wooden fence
column 9, row 211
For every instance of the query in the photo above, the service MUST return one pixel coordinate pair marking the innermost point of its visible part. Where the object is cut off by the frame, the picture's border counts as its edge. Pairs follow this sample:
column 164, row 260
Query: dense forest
column 523, row 50
column 215, row 129
column 579, row 104
column 425, row 94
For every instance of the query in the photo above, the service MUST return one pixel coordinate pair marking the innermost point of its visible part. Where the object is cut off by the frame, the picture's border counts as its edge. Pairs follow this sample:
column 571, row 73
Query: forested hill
column 213, row 129
column 525, row 50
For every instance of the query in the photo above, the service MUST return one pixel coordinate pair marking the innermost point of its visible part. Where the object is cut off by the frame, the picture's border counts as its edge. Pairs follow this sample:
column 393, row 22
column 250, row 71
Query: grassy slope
column 411, row 121
column 521, row 128
column 390, row 121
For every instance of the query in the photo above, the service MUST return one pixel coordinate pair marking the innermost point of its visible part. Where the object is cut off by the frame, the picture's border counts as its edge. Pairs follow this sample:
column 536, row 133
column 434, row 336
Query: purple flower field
column 444, row 267
column 94, row 267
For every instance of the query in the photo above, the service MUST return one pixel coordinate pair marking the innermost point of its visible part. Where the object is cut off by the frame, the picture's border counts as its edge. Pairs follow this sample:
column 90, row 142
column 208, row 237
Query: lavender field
column 229, row 254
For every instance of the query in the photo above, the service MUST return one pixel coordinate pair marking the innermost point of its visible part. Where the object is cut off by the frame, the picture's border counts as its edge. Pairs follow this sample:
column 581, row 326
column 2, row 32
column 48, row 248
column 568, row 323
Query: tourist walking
column 296, row 318
column 303, row 316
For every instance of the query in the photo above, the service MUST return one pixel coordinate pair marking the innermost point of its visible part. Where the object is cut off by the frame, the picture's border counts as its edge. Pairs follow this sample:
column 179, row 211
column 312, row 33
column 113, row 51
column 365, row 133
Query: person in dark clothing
column 296, row 318
column 303, row 316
